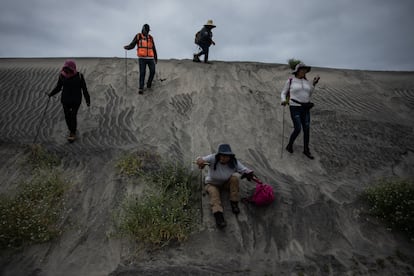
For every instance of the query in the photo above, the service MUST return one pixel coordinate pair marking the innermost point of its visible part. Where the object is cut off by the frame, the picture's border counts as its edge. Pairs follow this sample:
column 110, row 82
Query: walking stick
column 201, row 190
column 41, row 120
column 201, row 199
column 283, row 132
column 126, row 71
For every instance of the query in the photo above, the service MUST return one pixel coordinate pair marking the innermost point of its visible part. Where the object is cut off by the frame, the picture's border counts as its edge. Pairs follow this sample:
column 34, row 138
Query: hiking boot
column 235, row 207
column 220, row 222
column 308, row 154
column 71, row 137
column 289, row 148
column 140, row 91
column 196, row 58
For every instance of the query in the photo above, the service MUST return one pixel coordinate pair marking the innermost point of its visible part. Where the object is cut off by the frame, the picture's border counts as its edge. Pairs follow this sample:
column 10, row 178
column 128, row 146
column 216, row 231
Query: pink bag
column 263, row 194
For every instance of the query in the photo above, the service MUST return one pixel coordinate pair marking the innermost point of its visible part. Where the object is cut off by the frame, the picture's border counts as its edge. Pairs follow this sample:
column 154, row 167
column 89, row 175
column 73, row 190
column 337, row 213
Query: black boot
column 289, row 148
column 308, row 154
column 235, row 207
column 206, row 59
column 220, row 222
column 196, row 58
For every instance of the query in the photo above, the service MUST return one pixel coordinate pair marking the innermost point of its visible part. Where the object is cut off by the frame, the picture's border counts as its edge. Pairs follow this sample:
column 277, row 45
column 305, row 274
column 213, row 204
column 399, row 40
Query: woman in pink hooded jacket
column 72, row 84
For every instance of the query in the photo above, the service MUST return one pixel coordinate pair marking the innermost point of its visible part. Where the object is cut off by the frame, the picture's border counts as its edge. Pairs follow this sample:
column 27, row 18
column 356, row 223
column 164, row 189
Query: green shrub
column 32, row 215
column 393, row 202
column 166, row 212
column 293, row 62
column 135, row 164
column 39, row 158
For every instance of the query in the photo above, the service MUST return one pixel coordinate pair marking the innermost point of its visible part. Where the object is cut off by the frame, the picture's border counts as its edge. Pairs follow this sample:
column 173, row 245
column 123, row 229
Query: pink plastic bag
column 263, row 194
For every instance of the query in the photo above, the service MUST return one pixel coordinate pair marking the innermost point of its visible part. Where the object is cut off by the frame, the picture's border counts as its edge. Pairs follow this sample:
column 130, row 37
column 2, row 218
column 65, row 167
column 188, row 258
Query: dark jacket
column 72, row 89
column 206, row 37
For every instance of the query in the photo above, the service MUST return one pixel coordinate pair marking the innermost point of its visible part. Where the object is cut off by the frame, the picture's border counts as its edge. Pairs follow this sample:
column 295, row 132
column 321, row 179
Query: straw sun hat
column 210, row 23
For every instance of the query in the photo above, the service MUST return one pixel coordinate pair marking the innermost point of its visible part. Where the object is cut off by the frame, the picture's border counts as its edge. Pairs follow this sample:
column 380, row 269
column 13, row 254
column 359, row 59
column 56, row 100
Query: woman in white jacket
column 297, row 93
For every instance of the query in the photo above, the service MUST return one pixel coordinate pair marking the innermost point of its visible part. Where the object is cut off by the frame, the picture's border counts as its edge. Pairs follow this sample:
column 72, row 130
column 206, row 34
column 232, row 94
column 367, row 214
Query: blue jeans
column 301, row 119
column 143, row 62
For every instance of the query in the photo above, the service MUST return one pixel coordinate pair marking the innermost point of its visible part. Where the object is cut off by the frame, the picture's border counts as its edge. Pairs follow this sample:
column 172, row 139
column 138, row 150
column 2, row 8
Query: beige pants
column 214, row 192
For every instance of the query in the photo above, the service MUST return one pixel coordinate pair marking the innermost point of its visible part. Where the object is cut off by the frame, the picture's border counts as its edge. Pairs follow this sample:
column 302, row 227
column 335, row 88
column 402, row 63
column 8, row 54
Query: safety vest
column 145, row 46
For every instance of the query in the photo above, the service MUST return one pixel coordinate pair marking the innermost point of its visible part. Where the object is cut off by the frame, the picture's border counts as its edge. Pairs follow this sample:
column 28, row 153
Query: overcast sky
column 352, row 34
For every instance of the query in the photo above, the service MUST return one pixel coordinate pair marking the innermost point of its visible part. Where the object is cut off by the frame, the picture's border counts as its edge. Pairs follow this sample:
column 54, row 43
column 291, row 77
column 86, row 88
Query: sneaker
column 308, row 154
column 235, row 207
column 140, row 91
column 196, row 58
column 220, row 222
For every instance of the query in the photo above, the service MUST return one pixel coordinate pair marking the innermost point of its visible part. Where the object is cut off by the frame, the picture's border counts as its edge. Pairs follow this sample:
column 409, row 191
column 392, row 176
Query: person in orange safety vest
column 147, row 55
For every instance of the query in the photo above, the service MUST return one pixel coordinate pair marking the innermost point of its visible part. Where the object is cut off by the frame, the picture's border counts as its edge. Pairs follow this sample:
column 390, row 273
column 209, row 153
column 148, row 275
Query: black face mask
column 67, row 70
column 145, row 29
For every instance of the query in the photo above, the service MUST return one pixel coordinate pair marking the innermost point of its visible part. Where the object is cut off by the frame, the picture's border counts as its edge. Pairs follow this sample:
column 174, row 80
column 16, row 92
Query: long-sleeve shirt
column 300, row 90
column 223, row 172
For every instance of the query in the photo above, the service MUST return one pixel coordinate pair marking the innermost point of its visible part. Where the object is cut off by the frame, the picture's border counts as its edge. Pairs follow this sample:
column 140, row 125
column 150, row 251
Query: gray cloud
column 369, row 34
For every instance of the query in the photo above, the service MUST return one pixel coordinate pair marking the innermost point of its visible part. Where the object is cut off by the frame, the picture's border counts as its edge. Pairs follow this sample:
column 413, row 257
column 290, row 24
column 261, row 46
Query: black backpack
column 197, row 37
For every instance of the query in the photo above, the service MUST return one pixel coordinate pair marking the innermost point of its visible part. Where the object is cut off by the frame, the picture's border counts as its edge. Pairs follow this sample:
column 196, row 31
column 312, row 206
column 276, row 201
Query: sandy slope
column 362, row 129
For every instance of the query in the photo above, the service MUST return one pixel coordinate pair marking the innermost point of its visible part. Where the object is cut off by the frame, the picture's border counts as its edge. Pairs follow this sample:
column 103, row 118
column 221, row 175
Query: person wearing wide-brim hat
column 297, row 94
column 224, row 173
column 205, row 40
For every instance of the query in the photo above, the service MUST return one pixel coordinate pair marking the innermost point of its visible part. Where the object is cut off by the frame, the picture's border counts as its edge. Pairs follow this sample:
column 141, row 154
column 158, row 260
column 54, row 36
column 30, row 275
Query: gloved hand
column 249, row 176
column 126, row 47
column 284, row 103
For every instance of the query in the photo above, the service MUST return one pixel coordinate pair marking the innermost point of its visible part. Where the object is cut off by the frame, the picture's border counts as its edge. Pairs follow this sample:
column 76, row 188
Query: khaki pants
column 214, row 192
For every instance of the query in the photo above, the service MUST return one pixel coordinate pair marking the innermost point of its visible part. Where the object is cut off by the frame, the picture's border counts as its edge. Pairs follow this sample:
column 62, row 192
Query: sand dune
column 362, row 129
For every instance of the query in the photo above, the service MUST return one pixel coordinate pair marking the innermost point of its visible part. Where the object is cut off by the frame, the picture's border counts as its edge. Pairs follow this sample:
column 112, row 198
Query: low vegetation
column 32, row 214
column 393, row 202
column 136, row 163
column 166, row 212
column 40, row 158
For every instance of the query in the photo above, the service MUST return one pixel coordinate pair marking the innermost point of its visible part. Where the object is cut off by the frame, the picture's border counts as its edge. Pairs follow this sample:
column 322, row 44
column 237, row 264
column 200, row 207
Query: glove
column 284, row 103
column 249, row 176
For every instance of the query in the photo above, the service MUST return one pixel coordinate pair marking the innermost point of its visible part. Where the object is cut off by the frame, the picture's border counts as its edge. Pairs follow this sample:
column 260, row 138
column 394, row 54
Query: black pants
column 143, row 62
column 204, row 51
column 71, row 112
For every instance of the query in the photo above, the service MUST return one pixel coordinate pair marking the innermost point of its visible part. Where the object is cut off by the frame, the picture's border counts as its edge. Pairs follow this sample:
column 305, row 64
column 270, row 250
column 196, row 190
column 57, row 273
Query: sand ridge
column 361, row 129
